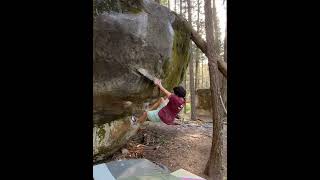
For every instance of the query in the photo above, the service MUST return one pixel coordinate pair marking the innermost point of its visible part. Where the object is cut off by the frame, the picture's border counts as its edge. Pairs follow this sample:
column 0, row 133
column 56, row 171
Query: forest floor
column 185, row 146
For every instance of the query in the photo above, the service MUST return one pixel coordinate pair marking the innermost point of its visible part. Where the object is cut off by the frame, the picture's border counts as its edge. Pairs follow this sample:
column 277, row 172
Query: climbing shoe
column 133, row 120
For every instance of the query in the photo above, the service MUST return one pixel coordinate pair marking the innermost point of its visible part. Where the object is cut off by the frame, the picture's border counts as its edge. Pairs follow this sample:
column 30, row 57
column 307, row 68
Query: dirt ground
column 185, row 146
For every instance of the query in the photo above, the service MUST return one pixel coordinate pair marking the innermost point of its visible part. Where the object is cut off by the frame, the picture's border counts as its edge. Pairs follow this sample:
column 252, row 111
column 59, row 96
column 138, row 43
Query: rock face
column 203, row 102
column 131, row 34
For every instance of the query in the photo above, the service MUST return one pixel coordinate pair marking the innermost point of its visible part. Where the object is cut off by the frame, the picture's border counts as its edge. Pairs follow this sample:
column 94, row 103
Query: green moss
column 131, row 6
column 101, row 133
column 188, row 107
column 180, row 57
column 118, row 143
column 134, row 10
column 121, row 6
column 105, row 6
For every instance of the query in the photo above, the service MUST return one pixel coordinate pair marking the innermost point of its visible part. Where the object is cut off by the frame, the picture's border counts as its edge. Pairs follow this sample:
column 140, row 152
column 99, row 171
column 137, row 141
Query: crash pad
column 151, row 177
column 186, row 175
column 101, row 172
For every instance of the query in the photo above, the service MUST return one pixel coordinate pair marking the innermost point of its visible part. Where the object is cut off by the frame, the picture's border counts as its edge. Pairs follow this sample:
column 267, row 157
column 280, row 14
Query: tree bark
column 180, row 7
column 185, row 9
column 175, row 5
column 214, row 165
column 202, row 73
column 217, row 49
column 224, row 81
column 185, row 75
column 186, row 16
column 169, row 4
column 197, row 50
column 185, row 87
column 191, row 73
column 196, row 77
column 216, row 30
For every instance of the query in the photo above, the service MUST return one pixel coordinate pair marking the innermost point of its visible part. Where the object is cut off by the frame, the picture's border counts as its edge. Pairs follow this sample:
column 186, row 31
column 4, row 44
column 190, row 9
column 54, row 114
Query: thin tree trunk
column 196, row 85
column 180, row 7
column 216, row 30
column 185, row 87
column 217, row 49
column 168, row 4
column 214, row 165
column 185, row 10
column 186, row 83
column 224, row 81
column 202, row 78
column 191, row 64
column 175, row 5
column 191, row 71
column 197, row 50
column 225, row 46
column 157, row 1
column 185, row 75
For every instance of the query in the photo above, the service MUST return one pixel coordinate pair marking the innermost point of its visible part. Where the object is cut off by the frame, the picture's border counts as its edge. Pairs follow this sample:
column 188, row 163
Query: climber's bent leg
column 157, row 104
column 143, row 117
column 153, row 114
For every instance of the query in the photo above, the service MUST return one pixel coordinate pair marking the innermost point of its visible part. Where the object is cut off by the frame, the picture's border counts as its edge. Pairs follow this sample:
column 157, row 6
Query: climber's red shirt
column 168, row 113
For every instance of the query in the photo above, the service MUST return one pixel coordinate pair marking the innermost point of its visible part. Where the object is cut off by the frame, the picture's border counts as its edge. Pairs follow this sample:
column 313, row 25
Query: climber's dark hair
column 179, row 91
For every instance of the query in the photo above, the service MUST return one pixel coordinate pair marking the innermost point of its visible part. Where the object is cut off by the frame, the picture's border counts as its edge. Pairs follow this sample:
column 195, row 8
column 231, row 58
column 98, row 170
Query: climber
column 165, row 109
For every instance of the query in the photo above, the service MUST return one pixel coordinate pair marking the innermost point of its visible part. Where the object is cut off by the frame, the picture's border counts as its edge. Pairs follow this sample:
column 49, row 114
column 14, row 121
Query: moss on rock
column 180, row 56
column 121, row 6
column 101, row 133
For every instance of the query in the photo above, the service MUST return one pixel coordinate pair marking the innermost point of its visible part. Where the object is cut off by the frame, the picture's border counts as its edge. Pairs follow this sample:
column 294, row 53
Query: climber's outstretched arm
column 158, row 83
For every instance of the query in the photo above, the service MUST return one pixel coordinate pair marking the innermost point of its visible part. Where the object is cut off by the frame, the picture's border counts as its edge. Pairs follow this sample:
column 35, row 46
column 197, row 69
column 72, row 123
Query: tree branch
column 201, row 43
column 224, row 108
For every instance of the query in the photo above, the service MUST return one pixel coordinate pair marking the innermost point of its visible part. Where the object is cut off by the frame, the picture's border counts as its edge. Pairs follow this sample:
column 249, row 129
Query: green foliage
column 188, row 107
column 164, row 3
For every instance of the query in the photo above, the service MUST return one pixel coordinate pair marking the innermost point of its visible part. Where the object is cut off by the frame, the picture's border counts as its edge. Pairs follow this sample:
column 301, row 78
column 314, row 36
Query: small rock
column 125, row 151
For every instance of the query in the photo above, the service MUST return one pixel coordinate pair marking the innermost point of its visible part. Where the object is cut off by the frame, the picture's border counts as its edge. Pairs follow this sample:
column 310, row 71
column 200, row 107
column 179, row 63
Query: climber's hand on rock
column 157, row 82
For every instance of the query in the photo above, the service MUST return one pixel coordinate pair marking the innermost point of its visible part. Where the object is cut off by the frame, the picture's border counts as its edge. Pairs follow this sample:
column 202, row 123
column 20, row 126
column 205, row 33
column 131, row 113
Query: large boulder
column 203, row 102
column 131, row 34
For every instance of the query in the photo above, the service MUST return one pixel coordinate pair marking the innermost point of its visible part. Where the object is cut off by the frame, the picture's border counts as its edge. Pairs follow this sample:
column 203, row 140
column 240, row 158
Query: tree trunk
column 196, row 77
column 180, row 7
column 192, row 88
column 216, row 30
column 175, row 5
column 224, row 81
column 217, row 49
column 214, row 165
column 168, row 4
column 185, row 10
column 185, row 86
column 202, row 78
column 185, row 75
column 157, row 1
column 197, row 51
column 191, row 73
